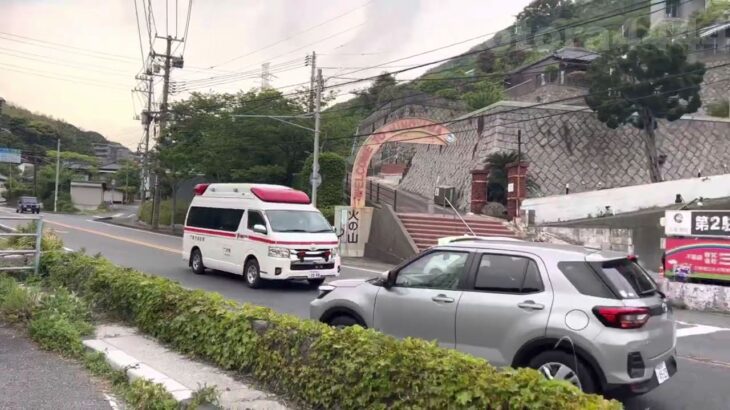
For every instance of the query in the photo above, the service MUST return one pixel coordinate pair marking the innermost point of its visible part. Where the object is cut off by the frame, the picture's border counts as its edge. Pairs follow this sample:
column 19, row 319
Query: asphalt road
column 34, row 379
column 702, row 382
column 160, row 254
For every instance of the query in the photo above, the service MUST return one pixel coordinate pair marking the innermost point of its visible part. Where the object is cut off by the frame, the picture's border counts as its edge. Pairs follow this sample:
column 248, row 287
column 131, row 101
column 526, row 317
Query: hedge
column 311, row 363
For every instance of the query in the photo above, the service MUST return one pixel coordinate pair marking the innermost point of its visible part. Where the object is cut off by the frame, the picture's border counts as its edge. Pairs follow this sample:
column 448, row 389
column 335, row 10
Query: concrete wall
column 389, row 241
column 627, row 199
column 86, row 196
column 619, row 240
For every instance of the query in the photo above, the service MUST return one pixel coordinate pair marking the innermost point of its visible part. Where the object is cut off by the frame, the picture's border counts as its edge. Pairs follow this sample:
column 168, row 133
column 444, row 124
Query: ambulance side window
column 215, row 218
column 255, row 218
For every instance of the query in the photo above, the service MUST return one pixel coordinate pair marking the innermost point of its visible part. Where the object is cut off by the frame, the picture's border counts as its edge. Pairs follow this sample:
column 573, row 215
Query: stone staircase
column 426, row 229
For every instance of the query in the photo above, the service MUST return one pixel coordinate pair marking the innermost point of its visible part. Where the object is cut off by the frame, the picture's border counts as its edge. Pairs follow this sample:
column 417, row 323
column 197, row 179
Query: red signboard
column 698, row 258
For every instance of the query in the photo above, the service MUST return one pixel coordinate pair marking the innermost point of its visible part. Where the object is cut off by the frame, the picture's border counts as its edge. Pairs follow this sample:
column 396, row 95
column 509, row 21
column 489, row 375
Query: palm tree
column 497, row 185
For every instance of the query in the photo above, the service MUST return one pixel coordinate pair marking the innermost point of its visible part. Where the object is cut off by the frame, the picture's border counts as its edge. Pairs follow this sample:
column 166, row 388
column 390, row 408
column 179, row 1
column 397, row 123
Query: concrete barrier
column 695, row 296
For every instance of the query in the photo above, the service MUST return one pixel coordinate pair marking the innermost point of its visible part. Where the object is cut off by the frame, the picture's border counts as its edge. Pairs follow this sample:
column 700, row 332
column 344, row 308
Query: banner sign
column 10, row 155
column 697, row 258
column 697, row 223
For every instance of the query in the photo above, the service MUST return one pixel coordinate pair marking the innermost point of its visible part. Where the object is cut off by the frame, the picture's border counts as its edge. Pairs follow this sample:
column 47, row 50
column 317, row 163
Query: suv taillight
column 622, row 317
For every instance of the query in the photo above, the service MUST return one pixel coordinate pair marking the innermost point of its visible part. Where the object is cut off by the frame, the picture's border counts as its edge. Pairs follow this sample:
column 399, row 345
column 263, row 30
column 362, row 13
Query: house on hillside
column 112, row 153
column 676, row 10
column 556, row 76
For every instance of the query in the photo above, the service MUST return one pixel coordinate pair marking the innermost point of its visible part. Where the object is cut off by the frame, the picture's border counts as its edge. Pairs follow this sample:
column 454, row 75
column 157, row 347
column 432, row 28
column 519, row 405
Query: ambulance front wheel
column 252, row 273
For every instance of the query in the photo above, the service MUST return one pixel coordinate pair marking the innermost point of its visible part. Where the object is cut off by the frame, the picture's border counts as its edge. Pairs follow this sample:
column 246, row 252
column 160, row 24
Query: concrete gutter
column 134, row 369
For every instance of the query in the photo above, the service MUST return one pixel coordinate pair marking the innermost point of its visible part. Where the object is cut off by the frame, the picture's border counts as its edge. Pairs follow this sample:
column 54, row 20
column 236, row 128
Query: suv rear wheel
column 559, row 365
column 342, row 321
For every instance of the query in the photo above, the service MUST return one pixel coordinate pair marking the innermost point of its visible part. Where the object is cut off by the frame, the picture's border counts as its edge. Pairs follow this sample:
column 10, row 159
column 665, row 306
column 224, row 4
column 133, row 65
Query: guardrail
column 11, row 232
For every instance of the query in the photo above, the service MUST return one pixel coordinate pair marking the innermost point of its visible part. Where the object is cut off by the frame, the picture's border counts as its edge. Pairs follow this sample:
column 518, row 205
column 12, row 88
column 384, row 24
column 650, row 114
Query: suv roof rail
column 480, row 239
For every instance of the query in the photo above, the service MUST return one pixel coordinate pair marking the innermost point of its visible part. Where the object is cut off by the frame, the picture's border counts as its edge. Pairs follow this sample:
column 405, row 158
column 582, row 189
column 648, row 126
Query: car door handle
column 442, row 299
column 530, row 305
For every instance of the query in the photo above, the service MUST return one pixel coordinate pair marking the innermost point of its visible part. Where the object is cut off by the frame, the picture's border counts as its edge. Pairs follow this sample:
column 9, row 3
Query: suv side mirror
column 388, row 278
column 258, row 228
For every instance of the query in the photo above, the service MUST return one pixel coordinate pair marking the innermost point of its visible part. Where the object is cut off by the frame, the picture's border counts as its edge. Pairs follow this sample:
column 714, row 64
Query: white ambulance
column 261, row 232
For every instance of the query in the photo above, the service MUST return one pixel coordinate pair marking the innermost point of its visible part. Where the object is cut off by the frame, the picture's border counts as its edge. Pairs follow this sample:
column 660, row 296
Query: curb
column 134, row 369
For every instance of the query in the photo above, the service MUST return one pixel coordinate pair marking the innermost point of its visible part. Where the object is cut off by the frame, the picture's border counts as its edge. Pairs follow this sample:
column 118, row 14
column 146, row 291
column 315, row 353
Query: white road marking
column 143, row 231
column 362, row 269
column 698, row 329
column 111, row 401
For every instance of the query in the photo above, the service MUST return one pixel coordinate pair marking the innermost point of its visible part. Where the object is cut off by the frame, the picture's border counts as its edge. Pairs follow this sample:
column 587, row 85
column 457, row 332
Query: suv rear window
column 627, row 277
column 585, row 279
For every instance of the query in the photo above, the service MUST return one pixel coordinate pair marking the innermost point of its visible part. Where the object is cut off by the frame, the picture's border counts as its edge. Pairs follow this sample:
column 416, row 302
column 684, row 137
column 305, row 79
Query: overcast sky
column 84, row 68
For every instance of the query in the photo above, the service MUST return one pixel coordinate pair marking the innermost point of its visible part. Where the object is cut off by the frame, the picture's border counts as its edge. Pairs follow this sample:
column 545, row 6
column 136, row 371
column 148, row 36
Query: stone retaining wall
column 567, row 145
column 693, row 296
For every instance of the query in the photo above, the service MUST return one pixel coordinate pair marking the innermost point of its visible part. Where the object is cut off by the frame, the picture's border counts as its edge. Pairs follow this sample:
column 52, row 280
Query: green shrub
column 17, row 303
column 143, row 394
column 64, row 305
column 56, row 333
column 720, row 109
column 145, row 212
column 314, row 364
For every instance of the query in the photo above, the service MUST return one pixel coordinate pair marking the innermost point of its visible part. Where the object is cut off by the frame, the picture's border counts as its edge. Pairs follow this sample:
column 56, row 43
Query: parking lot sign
column 10, row 155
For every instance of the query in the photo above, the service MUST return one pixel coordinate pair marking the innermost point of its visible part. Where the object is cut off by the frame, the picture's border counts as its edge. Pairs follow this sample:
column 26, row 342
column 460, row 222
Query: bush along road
column 57, row 320
column 310, row 363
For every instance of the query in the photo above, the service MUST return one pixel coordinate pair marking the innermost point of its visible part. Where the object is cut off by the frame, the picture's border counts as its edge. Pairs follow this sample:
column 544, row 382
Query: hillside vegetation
column 37, row 133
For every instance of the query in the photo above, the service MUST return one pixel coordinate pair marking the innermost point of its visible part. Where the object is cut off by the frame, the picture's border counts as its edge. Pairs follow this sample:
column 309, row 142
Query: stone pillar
column 516, row 187
column 479, row 179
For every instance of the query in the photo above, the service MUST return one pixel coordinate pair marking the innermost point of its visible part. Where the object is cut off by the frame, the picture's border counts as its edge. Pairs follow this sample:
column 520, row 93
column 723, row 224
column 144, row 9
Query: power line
column 49, row 44
column 292, row 36
column 474, row 52
column 187, row 26
column 50, row 60
column 299, row 48
column 139, row 32
column 527, row 38
column 53, row 77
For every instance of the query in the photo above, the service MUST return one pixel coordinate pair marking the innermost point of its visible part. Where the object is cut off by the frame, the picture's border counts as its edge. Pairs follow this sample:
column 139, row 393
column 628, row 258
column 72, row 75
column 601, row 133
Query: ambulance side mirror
column 258, row 228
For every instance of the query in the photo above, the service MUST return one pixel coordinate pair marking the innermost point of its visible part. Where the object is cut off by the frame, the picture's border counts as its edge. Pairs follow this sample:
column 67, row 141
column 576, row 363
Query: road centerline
column 106, row 235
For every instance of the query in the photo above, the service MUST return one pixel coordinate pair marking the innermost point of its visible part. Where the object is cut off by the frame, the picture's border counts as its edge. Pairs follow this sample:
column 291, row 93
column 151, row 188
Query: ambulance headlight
column 278, row 252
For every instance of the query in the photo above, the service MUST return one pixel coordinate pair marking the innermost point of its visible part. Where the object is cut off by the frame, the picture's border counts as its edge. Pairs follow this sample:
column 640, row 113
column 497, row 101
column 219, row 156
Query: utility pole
column 315, row 156
column 311, row 60
column 35, row 173
column 147, row 121
column 58, row 170
column 163, row 129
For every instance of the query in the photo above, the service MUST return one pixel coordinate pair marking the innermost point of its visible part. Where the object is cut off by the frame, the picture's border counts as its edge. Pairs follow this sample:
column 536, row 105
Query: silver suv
column 595, row 319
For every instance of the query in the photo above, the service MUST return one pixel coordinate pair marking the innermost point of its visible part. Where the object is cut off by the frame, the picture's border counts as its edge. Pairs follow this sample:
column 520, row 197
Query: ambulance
column 263, row 232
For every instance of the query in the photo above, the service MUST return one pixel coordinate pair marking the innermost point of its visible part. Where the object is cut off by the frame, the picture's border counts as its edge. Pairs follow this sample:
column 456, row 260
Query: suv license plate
column 315, row 275
column 662, row 374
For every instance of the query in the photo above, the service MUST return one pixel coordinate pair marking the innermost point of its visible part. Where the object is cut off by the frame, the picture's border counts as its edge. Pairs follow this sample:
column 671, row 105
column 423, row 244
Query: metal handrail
column 38, row 238
column 459, row 215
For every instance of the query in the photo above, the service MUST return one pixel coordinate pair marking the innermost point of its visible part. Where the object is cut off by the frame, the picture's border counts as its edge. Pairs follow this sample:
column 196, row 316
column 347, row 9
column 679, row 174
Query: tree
column 640, row 85
column 486, row 61
column 332, row 167
column 498, row 162
column 540, row 13
column 128, row 179
column 485, row 93
column 379, row 91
